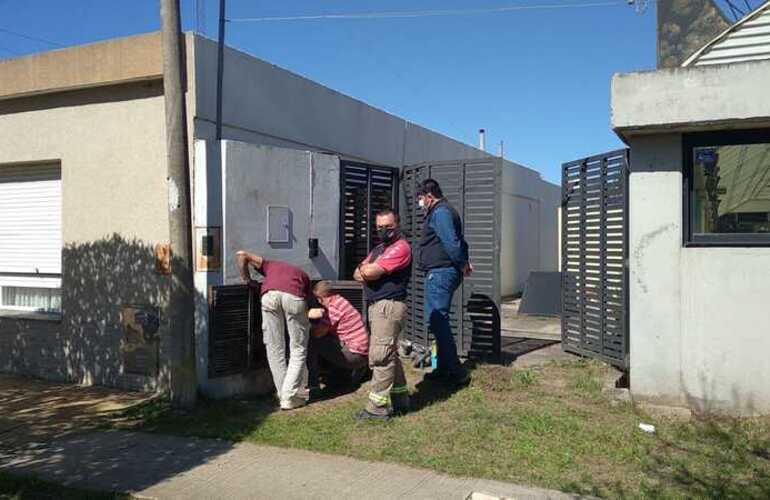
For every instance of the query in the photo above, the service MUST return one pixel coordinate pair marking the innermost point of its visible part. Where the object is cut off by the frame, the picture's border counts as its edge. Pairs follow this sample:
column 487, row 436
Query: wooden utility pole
column 180, row 358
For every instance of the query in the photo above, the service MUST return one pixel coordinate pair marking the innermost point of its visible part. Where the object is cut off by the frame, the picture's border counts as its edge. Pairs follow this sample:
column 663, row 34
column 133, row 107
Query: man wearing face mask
column 444, row 258
column 385, row 275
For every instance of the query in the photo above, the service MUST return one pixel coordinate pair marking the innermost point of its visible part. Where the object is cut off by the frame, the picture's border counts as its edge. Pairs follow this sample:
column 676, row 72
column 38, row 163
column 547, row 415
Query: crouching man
column 385, row 275
column 338, row 337
column 285, row 290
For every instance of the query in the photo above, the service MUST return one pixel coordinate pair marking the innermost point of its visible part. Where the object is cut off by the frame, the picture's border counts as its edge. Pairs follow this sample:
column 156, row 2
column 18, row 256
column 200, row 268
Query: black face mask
column 388, row 235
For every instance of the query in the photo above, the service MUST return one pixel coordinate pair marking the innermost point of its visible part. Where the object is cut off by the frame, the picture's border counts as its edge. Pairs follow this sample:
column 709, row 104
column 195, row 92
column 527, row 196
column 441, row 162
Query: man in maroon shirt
column 284, row 293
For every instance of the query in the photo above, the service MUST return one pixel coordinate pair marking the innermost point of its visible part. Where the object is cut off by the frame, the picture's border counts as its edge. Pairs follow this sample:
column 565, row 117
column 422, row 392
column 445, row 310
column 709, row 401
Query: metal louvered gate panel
column 595, row 256
column 365, row 190
column 473, row 188
column 235, row 330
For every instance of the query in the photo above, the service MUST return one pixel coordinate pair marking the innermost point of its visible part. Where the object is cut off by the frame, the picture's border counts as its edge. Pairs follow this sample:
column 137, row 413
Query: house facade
column 84, row 202
column 699, row 224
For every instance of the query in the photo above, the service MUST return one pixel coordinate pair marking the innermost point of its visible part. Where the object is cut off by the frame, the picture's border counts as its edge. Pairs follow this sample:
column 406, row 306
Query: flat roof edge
column 109, row 62
column 625, row 132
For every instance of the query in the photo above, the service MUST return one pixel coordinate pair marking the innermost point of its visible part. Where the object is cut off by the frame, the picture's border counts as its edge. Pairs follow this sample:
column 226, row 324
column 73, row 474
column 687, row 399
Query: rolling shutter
column 30, row 219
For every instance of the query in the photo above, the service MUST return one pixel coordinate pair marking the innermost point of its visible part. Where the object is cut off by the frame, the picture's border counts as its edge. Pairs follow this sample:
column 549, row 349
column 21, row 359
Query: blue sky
column 538, row 80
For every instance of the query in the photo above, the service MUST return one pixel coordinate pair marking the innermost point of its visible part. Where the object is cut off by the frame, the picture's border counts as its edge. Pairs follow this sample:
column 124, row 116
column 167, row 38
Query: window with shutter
column 30, row 237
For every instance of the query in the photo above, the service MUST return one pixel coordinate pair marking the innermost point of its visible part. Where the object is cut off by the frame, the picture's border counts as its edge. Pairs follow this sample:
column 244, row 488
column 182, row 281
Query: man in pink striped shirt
column 338, row 336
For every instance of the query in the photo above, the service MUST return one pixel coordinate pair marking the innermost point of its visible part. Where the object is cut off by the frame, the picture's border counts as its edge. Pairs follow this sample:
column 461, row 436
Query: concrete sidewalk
column 167, row 467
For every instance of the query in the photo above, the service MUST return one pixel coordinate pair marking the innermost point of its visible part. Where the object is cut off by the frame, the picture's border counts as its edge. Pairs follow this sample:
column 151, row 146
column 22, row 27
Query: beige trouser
column 290, row 381
column 388, row 388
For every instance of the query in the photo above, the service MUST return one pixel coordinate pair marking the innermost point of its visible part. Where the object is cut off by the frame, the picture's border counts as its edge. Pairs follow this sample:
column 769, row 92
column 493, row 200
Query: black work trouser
column 329, row 348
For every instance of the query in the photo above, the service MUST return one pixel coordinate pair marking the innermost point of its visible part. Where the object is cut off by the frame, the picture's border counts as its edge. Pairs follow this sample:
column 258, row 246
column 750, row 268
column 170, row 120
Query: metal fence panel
column 595, row 257
column 473, row 188
column 235, row 330
column 365, row 190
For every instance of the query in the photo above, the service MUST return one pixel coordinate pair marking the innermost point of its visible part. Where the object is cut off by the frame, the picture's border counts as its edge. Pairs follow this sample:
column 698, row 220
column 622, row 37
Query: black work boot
column 400, row 404
column 367, row 415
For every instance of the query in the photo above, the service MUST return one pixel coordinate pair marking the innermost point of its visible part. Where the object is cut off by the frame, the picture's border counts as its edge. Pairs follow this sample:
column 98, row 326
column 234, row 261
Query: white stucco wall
column 529, row 227
column 110, row 144
column 699, row 319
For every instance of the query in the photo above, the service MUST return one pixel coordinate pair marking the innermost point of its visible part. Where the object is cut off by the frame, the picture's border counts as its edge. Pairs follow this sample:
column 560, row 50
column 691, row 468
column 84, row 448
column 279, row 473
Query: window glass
column 730, row 189
column 32, row 298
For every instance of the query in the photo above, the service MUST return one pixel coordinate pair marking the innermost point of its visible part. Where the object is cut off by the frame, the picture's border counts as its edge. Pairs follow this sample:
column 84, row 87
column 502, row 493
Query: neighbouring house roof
column 120, row 60
column 746, row 40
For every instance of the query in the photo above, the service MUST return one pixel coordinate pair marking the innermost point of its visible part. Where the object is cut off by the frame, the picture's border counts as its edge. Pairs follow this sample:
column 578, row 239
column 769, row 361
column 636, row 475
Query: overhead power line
column 30, row 37
column 425, row 13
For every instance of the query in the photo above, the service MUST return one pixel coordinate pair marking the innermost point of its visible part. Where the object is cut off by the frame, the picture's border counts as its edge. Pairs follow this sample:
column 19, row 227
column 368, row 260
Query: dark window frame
column 720, row 138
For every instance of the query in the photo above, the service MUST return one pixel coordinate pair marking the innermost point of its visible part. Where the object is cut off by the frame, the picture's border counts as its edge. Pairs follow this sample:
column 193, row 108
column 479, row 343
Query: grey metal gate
column 365, row 190
column 473, row 188
column 594, row 257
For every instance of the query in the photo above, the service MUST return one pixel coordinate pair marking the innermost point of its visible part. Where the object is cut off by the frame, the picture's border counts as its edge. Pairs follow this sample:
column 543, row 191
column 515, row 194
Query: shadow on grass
column 429, row 392
column 231, row 419
column 710, row 458
column 31, row 488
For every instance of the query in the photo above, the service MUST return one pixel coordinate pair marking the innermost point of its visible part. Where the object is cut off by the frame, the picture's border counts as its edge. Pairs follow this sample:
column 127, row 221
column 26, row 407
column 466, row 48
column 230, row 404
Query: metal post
column 220, row 67
column 180, row 360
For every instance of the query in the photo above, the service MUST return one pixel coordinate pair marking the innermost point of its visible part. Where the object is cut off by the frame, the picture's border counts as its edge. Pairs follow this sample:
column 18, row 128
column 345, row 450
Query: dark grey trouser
column 330, row 349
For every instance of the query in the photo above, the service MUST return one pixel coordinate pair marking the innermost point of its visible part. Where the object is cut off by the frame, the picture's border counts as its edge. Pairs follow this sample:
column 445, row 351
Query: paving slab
column 168, row 467
column 528, row 326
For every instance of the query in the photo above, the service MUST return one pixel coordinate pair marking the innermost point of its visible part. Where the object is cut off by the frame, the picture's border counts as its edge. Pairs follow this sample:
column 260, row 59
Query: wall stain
column 639, row 252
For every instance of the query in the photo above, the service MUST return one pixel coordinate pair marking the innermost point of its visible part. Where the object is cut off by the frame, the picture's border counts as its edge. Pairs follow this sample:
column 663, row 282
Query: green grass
column 27, row 488
column 550, row 426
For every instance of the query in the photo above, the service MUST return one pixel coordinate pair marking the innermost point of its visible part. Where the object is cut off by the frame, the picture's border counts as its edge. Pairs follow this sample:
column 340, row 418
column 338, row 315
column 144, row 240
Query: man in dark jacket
column 444, row 258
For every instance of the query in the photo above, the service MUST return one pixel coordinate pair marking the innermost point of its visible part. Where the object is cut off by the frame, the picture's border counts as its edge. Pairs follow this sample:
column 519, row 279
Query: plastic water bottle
column 433, row 356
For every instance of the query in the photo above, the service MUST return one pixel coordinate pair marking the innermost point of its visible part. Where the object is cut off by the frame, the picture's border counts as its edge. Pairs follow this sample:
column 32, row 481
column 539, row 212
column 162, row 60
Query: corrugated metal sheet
column 747, row 40
column 30, row 219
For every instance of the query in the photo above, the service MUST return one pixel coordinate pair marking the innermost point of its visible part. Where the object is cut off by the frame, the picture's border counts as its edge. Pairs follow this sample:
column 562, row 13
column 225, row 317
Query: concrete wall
column 255, row 177
column 265, row 104
column 529, row 227
column 110, row 142
column 208, row 212
column 699, row 316
column 734, row 95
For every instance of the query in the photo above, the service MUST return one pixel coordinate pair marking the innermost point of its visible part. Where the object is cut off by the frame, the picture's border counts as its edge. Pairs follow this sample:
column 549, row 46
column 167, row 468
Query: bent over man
column 284, row 293
column 385, row 275
column 339, row 338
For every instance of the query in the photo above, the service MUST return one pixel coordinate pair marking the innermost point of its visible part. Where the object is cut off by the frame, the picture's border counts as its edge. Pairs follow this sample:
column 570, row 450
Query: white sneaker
column 293, row 403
